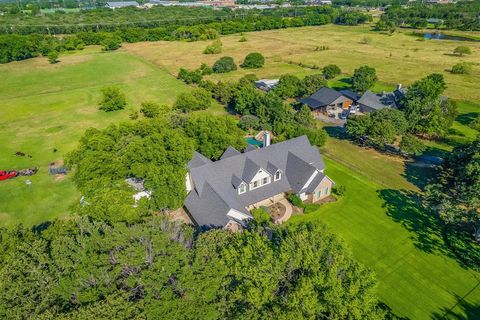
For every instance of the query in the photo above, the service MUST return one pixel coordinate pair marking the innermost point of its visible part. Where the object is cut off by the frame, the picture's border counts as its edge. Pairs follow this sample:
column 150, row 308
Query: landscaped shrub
column 339, row 190
column 214, row 48
column 253, row 60
column 243, row 39
column 133, row 115
column 111, row 42
column 462, row 68
column 295, row 200
column 261, row 217
column 189, row 77
column 113, row 99
column 198, row 99
column 205, row 69
column 224, row 65
column 150, row 109
column 52, row 57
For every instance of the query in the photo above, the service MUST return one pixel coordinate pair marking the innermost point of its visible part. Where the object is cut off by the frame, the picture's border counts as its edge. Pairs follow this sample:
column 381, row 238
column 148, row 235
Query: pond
column 441, row 36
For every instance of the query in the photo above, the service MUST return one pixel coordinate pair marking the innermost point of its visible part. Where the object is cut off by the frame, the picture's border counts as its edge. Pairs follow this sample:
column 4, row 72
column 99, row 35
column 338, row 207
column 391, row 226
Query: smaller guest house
column 329, row 101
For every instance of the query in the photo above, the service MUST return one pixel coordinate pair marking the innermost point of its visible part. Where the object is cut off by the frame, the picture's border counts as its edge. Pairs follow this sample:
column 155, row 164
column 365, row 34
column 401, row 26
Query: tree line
column 19, row 47
column 462, row 15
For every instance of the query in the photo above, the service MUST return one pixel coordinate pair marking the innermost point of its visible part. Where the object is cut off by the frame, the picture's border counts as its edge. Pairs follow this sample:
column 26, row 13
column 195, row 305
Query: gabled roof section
column 298, row 172
column 250, row 170
column 236, row 181
column 377, row 101
column 208, row 209
column 250, row 147
column 271, row 168
column 198, row 160
column 230, row 152
column 323, row 97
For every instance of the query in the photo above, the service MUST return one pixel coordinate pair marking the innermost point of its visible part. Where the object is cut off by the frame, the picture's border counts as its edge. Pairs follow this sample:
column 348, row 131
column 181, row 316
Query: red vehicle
column 4, row 175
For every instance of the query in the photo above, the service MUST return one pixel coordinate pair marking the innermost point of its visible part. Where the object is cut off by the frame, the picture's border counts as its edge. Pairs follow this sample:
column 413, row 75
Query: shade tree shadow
column 462, row 310
column 406, row 207
column 337, row 132
column 467, row 118
column 419, row 173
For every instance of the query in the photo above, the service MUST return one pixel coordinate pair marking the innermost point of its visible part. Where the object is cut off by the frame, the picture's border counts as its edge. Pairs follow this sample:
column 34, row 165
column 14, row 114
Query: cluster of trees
column 154, row 149
column 456, row 198
column 260, row 110
column 193, row 28
column 86, row 268
column 462, row 15
column 424, row 112
column 225, row 64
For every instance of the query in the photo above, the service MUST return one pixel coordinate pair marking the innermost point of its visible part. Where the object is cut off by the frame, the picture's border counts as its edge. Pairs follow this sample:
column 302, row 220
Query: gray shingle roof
column 295, row 158
column 378, row 101
column 323, row 97
column 198, row 160
column 231, row 151
column 350, row 94
column 250, row 147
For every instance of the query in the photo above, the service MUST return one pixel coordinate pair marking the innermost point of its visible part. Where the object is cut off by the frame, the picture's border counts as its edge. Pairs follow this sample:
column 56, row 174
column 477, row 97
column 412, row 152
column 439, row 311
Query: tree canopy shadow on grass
column 337, row 132
column 467, row 118
column 406, row 208
column 418, row 173
column 462, row 310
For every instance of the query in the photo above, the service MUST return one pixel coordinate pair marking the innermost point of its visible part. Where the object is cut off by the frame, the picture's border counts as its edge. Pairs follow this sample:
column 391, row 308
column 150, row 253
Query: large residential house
column 222, row 193
column 327, row 100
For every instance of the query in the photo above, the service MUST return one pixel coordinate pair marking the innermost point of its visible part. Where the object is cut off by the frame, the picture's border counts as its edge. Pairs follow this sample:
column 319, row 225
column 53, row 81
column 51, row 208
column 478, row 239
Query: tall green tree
column 456, row 195
column 427, row 112
column 363, row 78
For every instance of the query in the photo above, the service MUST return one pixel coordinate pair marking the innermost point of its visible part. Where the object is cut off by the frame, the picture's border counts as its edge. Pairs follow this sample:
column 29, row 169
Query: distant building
column 121, row 4
column 219, row 3
column 327, row 100
column 266, row 84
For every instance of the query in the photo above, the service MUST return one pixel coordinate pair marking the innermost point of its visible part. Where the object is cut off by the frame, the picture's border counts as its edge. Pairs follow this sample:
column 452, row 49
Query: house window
column 265, row 181
column 326, row 190
column 242, row 189
column 277, row 176
column 254, row 184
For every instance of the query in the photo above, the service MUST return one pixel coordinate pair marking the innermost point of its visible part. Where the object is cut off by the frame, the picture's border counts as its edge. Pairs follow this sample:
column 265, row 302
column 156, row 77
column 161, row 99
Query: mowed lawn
column 46, row 108
column 388, row 233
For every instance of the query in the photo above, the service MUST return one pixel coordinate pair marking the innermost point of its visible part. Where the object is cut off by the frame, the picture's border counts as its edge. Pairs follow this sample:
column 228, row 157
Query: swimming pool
column 254, row 142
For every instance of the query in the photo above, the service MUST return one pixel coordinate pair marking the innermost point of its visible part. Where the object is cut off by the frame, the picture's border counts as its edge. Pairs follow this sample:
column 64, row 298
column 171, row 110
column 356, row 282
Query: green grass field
column 48, row 107
column 388, row 233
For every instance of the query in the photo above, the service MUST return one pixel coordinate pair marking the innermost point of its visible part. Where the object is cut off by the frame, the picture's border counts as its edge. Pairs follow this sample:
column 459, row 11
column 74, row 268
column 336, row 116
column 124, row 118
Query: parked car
column 343, row 115
column 4, row 175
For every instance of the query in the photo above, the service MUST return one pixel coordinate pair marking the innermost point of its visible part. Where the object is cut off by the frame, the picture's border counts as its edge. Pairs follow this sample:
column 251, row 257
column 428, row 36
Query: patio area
column 280, row 211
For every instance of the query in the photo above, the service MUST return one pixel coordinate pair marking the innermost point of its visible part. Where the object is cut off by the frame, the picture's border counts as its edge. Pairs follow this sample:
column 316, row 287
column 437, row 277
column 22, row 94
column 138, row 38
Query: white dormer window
column 277, row 176
column 242, row 188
